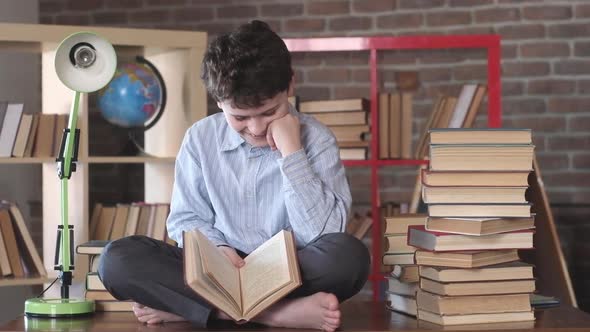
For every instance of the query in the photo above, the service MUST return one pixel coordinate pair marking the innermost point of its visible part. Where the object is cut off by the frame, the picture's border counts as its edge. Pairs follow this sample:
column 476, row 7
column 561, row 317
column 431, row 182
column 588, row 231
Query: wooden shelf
column 129, row 160
column 24, row 281
column 27, row 160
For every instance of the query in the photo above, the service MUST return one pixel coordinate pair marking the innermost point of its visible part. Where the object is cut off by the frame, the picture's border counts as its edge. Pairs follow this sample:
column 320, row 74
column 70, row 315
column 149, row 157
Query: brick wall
column 545, row 72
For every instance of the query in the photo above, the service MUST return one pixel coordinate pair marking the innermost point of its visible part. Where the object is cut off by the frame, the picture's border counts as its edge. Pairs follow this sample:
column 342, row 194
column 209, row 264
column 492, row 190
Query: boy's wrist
column 288, row 150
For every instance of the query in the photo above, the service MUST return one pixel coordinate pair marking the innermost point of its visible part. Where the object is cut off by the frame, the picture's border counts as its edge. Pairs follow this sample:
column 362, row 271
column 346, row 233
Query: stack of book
column 347, row 119
column 478, row 217
column 395, row 125
column 113, row 222
column 402, row 281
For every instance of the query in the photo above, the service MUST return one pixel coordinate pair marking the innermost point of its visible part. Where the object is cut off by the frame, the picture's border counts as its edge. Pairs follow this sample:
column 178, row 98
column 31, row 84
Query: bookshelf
column 177, row 55
column 375, row 44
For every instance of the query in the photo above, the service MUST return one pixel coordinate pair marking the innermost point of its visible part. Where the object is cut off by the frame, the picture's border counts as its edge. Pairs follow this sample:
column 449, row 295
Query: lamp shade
column 85, row 62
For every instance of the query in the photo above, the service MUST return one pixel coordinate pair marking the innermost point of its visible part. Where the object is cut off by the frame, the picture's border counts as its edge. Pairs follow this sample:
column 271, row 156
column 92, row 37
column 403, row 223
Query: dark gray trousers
column 150, row 272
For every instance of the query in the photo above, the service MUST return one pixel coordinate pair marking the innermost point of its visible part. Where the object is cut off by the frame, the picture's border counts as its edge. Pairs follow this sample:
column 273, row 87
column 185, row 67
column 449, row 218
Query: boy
column 240, row 177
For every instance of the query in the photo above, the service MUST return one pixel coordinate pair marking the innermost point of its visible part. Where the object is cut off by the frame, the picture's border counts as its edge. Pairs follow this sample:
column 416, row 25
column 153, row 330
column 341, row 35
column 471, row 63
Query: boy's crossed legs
column 333, row 267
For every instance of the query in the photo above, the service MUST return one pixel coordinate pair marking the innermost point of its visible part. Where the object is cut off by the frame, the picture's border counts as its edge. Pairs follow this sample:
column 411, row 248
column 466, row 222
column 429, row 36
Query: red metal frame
column 373, row 44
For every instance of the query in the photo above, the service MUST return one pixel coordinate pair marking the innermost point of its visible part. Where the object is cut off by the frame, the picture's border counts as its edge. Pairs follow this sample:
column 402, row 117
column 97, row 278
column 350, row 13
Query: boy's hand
column 284, row 134
column 233, row 256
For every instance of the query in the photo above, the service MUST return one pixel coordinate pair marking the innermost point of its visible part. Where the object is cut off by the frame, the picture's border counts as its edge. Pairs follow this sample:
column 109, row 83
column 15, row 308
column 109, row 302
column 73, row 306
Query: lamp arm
column 66, row 164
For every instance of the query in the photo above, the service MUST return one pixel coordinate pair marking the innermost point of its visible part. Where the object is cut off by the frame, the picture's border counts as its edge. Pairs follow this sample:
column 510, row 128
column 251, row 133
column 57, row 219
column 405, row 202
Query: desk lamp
column 84, row 62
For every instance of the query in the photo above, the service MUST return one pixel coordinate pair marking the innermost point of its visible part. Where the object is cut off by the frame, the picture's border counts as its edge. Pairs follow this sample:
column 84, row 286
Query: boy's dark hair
column 247, row 66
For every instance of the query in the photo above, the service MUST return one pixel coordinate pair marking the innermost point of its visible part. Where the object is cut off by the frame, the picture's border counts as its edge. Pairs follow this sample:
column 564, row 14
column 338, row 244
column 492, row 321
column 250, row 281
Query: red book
column 424, row 239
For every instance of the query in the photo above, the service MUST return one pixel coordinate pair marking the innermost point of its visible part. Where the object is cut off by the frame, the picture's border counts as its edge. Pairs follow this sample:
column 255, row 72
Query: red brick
column 448, row 18
column 342, row 92
column 572, row 67
column 328, row 7
column 123, row 4
column 546, row 49
column 584, row 86
column 582, row 10
column 237, row 12
column 106, row 18
column 422, row 4
column 304, row 25
column 519, row 106
column 193, row 14
column 471, row 30
column 569, row 104
column 470, row 3
column 553, row 160
column 520, row 69
column 282, row 10
column 442, row 56
column 435, row 75
column 332, row 75
column 546, row 12
column 470, row 72
column 497, row 15
column 307, row 59
column 581, row 160
column 509, row 51
column 373, row 6
column 53, row 6
column 350, row 23
column 85, row 5
column 167, row 3
column 569, row 142
column 397, row 57
column 569, row 30
column 361, row 75
column 567, row 179
column 149, row 16
column 346, row 59
column 551, row 86
column 578, row 123
column 400, row 21
column 312, row 92
column 512, row 88
column 537, row 123
column 582, row 48
column 522, row 31
column 72, row 19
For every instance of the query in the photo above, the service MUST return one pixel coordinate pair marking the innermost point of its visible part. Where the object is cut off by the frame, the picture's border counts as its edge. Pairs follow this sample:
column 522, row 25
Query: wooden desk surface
column 357, row 316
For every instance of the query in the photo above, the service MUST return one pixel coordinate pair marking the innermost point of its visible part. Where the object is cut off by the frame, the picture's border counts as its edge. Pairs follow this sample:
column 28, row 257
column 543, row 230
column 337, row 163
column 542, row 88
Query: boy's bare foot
column 152, row 316
column 318, row 311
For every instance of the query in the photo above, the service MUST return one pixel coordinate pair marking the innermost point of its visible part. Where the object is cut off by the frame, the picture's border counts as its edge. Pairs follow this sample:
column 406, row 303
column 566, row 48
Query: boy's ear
column 219, row 105
column 291, row 91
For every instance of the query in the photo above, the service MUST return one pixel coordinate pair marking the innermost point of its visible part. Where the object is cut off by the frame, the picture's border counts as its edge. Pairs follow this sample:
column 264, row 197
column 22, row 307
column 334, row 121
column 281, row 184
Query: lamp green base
column 58, row 308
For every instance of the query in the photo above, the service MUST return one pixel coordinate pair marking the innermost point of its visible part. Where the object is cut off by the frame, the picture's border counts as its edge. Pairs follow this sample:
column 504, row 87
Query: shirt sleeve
column 190, row 206
column 317, row 195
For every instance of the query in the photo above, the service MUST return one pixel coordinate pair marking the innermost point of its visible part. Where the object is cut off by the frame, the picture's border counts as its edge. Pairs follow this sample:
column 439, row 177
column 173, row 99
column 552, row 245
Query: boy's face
column 252, row 123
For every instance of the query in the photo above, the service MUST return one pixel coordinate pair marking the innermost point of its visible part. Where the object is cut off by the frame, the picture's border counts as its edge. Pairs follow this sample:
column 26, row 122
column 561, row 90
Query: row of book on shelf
column 348, row 119
column 459, row 262
column 29, row 135
column 112, row 222
column 19, row 257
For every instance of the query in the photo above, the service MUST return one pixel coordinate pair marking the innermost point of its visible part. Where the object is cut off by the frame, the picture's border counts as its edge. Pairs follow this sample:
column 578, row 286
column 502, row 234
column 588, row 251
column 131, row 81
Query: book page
column 265, row 272
column 196, row 278
column 220, row 269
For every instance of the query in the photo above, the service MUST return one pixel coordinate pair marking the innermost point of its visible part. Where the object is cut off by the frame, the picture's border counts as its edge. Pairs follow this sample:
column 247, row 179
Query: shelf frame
column 489, row 42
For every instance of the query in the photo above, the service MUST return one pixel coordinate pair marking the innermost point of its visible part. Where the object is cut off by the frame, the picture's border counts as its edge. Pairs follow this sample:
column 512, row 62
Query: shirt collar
column 231, row 139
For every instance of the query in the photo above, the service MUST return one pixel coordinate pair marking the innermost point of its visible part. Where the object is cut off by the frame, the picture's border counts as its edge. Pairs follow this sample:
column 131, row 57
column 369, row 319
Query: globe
column 135, row 97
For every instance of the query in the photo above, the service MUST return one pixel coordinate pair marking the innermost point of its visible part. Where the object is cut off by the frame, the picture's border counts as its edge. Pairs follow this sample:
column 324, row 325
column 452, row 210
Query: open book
column 271, row 272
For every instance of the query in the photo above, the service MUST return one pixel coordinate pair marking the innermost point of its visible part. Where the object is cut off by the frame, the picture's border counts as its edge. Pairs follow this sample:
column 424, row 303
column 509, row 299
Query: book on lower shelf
column 19, row 257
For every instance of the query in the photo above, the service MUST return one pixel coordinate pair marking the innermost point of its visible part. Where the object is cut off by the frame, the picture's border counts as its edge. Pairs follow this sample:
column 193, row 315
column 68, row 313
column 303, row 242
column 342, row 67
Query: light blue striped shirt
column 240, row 196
